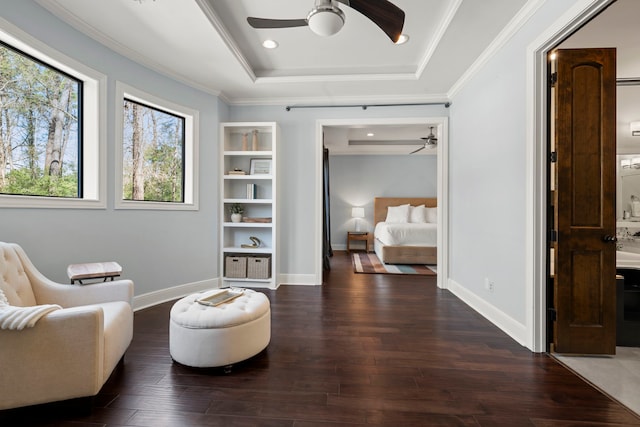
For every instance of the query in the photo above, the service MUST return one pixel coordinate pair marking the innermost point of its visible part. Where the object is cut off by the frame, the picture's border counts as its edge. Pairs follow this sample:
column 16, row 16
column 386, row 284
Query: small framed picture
column 260, row 167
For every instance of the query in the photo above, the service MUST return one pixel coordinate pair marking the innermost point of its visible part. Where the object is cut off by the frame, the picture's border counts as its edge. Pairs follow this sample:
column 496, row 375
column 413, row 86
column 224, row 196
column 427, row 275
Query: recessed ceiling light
column 370, row 134
column 402, row 39
column 270, row 44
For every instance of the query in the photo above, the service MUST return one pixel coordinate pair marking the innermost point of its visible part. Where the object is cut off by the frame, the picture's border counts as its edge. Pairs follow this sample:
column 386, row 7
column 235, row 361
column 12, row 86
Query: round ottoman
column 204, row 337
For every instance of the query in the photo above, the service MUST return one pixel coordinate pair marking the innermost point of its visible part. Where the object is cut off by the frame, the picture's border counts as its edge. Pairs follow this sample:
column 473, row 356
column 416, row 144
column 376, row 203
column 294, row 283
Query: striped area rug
column 370, row 264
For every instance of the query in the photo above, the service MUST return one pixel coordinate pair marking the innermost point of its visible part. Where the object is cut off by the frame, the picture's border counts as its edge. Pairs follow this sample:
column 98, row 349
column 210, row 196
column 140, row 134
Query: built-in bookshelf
column 249, row 179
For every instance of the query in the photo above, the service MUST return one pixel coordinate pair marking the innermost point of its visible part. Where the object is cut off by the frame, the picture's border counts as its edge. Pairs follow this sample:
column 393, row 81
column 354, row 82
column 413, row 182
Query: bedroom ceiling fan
column 430, row 141
column 326, row 18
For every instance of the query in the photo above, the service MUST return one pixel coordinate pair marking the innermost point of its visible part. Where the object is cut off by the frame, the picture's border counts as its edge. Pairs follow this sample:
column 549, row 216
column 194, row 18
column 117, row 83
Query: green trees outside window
column 40, row 141
column 153, row 154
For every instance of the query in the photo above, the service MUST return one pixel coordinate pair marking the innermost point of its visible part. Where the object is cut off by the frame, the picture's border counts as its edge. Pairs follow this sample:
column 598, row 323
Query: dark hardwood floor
column 380, row 350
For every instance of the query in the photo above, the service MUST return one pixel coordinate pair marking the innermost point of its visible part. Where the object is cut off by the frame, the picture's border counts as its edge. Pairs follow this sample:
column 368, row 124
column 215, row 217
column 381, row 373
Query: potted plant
column 236, row 210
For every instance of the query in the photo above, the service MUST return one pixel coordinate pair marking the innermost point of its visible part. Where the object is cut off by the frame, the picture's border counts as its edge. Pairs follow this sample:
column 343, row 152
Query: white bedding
column 407, row 234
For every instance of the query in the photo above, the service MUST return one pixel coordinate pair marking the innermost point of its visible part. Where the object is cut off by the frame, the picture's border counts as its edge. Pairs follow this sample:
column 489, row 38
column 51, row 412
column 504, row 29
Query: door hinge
column 553, row 156
column 553, row 78
column 553, row 235
column 552, row 314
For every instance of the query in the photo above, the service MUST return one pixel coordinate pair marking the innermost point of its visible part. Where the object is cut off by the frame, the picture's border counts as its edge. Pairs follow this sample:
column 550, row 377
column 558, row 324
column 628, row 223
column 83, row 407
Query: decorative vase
column 245, row 141
column 236, row 217
column 254, row 140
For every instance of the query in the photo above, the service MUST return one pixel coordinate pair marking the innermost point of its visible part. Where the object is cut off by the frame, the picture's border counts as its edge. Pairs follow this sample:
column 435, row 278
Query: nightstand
column 358, row 235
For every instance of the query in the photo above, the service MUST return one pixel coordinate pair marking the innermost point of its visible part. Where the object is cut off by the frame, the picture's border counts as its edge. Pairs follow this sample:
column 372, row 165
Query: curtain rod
column 630, row 81
column 365, row 106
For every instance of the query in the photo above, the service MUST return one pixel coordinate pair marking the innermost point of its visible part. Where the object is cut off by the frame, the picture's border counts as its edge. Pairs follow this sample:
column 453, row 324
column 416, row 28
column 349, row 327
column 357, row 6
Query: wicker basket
column 235, row 266
column 259, row 267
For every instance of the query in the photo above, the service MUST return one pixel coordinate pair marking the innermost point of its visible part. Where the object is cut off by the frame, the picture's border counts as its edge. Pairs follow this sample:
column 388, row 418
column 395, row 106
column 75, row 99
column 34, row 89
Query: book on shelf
column 251, row 191
column 237, row 172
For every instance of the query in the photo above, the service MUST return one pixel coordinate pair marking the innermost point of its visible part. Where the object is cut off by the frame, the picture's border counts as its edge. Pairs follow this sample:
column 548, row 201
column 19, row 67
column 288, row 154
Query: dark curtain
column 327, row 252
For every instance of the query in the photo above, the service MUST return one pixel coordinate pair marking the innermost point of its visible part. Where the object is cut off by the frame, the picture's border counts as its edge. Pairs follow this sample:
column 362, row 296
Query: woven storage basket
column 259, row 267
column 235, row 266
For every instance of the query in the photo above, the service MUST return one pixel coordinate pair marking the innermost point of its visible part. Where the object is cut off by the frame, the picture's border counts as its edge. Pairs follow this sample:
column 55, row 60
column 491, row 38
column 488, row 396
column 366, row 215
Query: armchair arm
column 61, row 357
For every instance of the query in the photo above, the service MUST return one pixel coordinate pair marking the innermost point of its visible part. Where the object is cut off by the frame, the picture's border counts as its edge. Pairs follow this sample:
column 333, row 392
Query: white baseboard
column 299, row 279
column 157, row 297
column 507, row 324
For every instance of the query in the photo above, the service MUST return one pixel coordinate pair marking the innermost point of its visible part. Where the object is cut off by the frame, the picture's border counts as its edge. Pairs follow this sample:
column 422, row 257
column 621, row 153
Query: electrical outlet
column 488, row 284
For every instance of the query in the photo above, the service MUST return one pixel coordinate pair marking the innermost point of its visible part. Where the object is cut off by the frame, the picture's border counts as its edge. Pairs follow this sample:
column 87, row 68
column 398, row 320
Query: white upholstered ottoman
column 205, row 337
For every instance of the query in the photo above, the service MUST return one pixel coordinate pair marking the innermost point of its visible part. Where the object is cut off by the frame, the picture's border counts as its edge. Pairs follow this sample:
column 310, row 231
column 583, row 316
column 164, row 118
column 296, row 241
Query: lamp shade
column 357, row 212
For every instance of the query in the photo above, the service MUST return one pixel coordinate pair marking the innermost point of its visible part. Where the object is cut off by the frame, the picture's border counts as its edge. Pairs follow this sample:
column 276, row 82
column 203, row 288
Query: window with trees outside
column 156, row 152
column 153, row 154
column 50, row 142
column 39, row 118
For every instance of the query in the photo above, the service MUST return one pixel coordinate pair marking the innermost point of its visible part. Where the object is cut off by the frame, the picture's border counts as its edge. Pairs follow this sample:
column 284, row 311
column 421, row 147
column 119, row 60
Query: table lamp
column 357, row 213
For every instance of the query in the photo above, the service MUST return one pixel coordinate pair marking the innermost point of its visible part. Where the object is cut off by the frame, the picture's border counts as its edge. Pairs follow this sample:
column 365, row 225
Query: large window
column 156, row 152
column 39, row 116
column 153, row 154
column 51, row 145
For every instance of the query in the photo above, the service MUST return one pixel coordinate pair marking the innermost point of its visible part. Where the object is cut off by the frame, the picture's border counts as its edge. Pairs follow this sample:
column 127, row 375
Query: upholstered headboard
column 380, row 205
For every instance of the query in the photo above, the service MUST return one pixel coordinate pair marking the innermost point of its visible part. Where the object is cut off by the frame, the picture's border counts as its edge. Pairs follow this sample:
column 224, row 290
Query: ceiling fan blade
column 386, row 15
column 276, row 23
column 421, row 148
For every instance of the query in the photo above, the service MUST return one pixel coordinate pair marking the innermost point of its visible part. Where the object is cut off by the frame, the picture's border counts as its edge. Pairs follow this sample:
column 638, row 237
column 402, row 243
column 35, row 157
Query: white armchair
column 69, row 352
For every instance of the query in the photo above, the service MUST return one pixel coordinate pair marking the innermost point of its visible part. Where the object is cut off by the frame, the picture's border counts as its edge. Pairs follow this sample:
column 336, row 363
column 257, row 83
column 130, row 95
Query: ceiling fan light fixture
column 402, row 39
column 325, row 20
column 430, row 141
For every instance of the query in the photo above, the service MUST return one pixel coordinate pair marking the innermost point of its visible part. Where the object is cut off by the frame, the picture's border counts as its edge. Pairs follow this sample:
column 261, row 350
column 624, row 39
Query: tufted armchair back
column 14, row 282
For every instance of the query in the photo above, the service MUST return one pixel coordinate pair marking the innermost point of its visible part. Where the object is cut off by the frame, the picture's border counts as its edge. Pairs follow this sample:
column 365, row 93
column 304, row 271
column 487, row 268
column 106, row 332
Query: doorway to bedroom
column 370, row 158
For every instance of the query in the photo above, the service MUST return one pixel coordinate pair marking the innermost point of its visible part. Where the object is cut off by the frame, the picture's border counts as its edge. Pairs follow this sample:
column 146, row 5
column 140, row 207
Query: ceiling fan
column 430, row 141
column 326, row 18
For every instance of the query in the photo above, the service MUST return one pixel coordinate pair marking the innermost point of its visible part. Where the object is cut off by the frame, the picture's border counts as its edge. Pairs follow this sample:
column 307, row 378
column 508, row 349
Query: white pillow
column 431, row 215
column 417, row 214
column 398, row 214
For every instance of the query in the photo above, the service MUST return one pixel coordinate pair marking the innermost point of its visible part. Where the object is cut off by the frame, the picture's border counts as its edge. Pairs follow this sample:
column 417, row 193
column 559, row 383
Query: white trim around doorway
column 442, row 185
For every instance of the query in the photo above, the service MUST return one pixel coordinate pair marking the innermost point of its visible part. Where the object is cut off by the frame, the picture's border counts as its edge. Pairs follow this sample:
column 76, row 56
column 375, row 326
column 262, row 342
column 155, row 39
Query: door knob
column 609, row 238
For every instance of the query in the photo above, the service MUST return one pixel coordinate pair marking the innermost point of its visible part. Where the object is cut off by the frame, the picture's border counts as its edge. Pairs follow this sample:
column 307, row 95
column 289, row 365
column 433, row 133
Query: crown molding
column 71, row 19
column 435, row 41
column 226, row 37
column 518, row 21
column 336, row 78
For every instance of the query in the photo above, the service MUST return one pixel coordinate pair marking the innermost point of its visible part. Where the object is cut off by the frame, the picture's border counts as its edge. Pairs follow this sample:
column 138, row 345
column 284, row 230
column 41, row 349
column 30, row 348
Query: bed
column 406, row 247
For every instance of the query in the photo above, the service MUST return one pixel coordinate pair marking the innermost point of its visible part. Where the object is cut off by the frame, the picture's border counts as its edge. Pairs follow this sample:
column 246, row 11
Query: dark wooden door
column 585, row 143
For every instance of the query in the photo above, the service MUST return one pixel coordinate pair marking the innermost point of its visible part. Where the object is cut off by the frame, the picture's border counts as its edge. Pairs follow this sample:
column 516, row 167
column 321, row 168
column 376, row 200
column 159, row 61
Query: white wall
column 488, row 180
column 356, row 180
column 156, row 249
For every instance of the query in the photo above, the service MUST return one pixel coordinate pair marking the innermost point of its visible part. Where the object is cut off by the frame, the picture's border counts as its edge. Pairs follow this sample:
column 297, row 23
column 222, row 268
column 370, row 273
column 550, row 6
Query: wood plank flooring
column 364, row 349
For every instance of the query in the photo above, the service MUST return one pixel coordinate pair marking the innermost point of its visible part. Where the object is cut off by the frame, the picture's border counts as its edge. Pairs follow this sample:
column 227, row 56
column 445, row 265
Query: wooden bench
column 93, row 270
